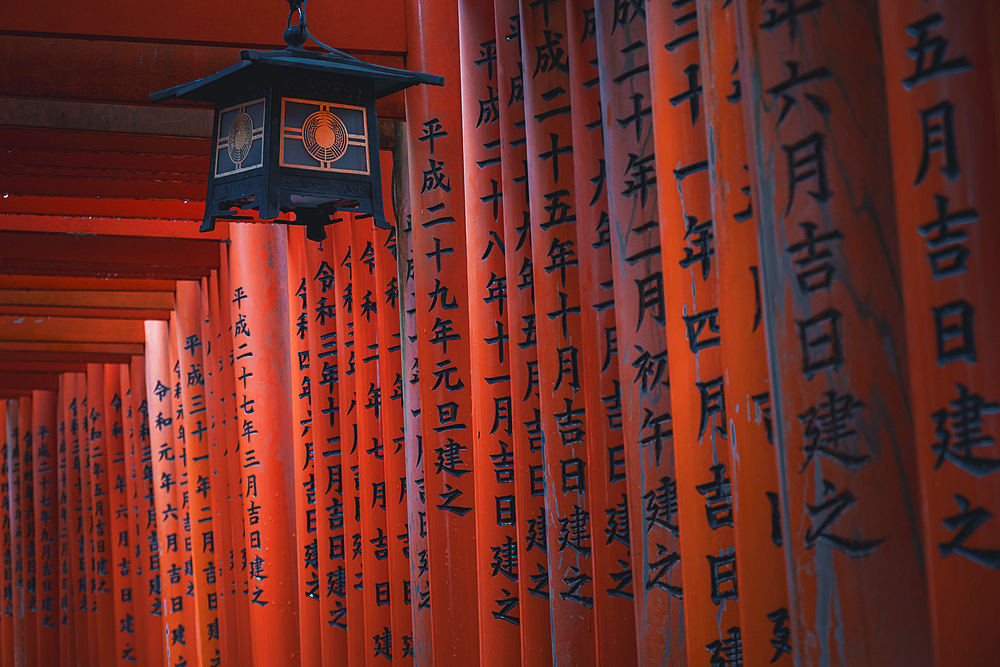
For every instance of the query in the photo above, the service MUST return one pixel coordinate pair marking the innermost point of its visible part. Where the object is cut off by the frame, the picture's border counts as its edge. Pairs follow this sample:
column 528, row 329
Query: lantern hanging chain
column 296, row 36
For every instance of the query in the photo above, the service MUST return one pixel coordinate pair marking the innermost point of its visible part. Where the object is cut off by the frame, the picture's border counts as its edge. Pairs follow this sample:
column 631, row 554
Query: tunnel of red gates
column 661, row 334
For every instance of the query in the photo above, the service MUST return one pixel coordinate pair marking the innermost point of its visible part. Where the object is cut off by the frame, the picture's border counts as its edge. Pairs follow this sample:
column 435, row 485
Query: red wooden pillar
column 193, row 404
column 224, row 557
column 44, row 448
column 120, row 554
column 941, row 71
column 66, row 618
column 259, row 307
column 14, row 491
column 533, row 566
column 760, row 565
column 147, row 600
column 134, row 520
column 237, row 481
column 303, row 444
column 491, row 447
column 386, row 283
column 186, row 632
column 6, row 519
column 555, row 277
column 372, row 540
column 614, row 588
column 78, row 545
column 436, row 183
column 167, row 496
column 353, row 617
column 321, row 360
column 416, row 497
column 834, row 319
column 29, row 600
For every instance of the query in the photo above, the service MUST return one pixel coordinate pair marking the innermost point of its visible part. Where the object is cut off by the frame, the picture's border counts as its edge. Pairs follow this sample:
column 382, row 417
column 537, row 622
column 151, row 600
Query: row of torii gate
column 680, row 352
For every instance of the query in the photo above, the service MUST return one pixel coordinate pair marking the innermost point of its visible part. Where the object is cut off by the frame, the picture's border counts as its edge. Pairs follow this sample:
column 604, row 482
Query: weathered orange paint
column 608, row 503
column 834, row 328
column 536, row 635
column 491, row 449
column 434, row 144
column 944, row 141
column 264, row 404
column 760, row 564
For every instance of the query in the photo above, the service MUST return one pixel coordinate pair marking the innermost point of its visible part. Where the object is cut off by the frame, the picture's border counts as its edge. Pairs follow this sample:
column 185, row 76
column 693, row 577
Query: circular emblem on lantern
column 325, row 136
column 240, row 138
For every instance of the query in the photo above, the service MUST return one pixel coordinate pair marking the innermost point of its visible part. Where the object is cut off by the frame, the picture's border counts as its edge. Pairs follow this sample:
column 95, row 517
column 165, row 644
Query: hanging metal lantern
column 296, row 130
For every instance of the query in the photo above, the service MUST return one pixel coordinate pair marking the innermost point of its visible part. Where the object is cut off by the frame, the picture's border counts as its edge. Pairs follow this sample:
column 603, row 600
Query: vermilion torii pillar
column 237, row 480
column 760, row 565
column 303, row 444
column 391, row 379
column 436, row 179
column 491, row 449
column 224, row 559
column 532, row 558
column 259, row 307
column 14, row 491
column 941, row 72
column 120, row 553
column 65, row 586
column 833, row 312
column 349, row 618
column 6, row 511
column 614, row 586
column 167, row 495
column 44, row 452
column 78, row 535
column 372, row 540
column 29, row 599
column 194, row 405
column 320, row 360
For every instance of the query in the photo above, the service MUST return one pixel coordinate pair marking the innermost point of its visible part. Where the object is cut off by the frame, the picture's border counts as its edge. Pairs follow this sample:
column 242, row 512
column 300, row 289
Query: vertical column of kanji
column 609, row 503
column 193, row 403
column 6, row 507
column 14, row 493
column 416, row 498
column 646, row 458
column 220, row 570
column 390, row 370
column 260, row 338
column 62, row 477
column 544, row 38
column 529, row 492
column 75, row 384
column 319, row 359
column 434, row 138
column 492, row 450
column 760, row 565
column 29, row 599
column 87, row 602
column 819, row 148
column 303, row 439
column 44, row 446
column 130, row 468
column 187, row 631
column 938, row 77
column 237, row 480
column 350, row 617
column 685, row 299
column 102, row 588
column 374, row 541
column 120, row 543
column 167, row 495
column 149, row 603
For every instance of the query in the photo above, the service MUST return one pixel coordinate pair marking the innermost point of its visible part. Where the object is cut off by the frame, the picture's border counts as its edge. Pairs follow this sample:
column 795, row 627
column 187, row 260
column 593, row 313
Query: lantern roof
column 386, row 80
